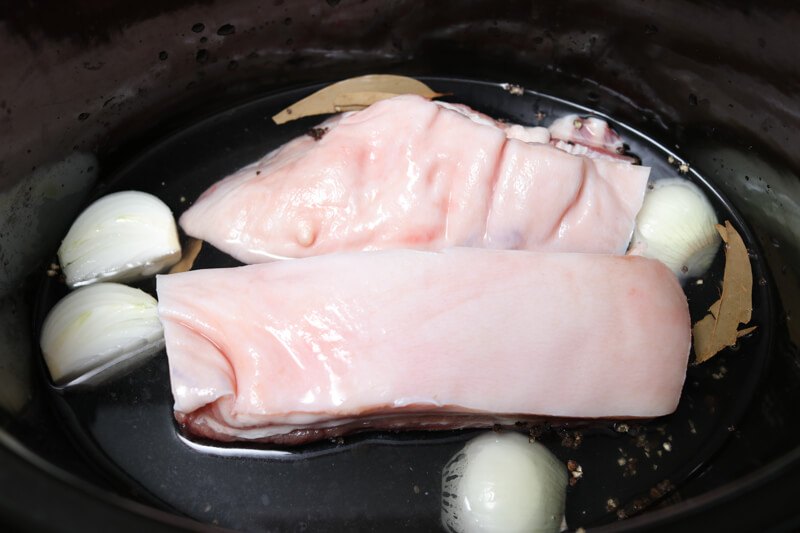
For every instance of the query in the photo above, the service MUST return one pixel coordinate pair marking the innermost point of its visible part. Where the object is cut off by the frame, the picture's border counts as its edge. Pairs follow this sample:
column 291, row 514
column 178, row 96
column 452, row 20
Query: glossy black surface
column 86, row 85
column 383, row 481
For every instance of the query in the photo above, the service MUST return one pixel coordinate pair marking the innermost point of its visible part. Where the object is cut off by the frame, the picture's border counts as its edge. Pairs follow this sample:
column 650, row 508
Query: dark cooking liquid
column 387, row 481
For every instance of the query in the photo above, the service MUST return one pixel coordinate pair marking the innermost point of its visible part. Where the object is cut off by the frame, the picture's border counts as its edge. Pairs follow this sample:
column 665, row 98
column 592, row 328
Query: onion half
column 501, row 482
column 677, row 226
column 98, row 328
column 124, row 236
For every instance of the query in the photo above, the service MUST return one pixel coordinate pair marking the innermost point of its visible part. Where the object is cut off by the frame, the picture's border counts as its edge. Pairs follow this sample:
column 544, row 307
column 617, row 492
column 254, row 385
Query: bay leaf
column 720, row 327
column 359, row 99
column 190, row 253
column 353, row 94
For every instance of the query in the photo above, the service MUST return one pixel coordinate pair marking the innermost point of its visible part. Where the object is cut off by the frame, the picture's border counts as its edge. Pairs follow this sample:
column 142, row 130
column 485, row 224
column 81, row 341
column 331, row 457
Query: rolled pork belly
column 410, row 173
column 294, row 351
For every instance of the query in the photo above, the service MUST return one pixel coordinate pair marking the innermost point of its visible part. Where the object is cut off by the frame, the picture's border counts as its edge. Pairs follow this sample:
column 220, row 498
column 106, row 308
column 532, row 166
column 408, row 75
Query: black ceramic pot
column 87, row 86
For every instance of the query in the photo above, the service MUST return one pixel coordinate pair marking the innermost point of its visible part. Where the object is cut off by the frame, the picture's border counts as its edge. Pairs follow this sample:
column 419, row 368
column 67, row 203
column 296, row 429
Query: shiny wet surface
column 386, row 480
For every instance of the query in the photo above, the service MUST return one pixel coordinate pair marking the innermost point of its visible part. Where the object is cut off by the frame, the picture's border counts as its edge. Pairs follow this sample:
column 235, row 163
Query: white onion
column 97, row 328
column 676, row 225
column 124, row 236
column 502, row 482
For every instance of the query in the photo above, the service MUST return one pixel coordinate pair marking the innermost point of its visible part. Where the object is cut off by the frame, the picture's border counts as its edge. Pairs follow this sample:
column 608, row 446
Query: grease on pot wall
column 16, row 355
column 36, row 210
column 88, row 84
column 101, row 80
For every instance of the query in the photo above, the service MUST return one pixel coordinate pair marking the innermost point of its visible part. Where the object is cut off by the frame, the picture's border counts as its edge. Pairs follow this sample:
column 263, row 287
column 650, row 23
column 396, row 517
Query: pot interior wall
column 87, row 85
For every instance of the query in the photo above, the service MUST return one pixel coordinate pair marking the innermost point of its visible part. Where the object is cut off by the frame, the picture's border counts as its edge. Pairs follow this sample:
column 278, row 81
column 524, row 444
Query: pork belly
column 409, row 173
column 293, row 351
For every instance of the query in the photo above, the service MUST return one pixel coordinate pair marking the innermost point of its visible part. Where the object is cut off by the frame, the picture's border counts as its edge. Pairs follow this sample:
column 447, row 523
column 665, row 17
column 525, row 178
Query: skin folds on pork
column 294, row 351
column 409, row 173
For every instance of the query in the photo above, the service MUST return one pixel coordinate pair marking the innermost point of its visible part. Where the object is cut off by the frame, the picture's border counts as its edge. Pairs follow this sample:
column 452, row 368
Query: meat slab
column 410, row 173
column 293, row 351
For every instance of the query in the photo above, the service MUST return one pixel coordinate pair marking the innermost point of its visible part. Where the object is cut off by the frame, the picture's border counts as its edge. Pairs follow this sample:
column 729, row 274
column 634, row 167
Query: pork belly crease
column 410, row 173
column 293, row 351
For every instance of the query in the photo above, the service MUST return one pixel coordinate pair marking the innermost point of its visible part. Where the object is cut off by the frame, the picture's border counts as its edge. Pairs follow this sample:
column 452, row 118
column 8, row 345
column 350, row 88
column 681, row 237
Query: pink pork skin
column 409, row 173
column 292, row 351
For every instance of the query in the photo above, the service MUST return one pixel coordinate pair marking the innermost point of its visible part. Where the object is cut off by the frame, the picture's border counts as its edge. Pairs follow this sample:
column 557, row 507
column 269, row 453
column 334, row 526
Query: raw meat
column 293, row 351
column 409, row 173
column 587, row 136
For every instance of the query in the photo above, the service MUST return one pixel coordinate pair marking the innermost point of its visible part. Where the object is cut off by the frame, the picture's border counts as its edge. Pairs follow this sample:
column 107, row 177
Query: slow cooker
column 95, row 94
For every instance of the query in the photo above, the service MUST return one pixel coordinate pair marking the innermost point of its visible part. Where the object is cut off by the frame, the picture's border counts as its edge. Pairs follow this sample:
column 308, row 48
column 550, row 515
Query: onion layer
column 123, row 237
column 97, row 328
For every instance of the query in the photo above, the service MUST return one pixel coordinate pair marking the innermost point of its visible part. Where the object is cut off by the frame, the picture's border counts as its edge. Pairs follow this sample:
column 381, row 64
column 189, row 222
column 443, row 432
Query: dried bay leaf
column 720, row 327
column 190, row 253
column 353, row 94
column 359, row 100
